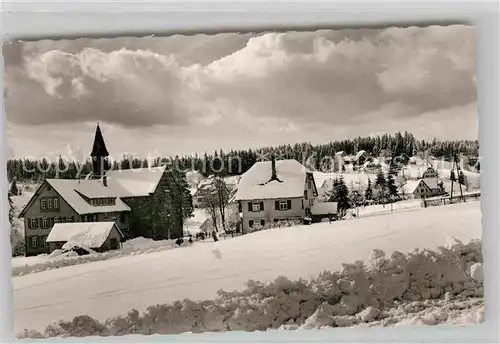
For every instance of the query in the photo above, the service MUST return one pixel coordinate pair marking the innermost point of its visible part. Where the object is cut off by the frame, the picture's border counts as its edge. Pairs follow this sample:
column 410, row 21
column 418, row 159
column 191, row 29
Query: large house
column 271, row 191
column 135, row 200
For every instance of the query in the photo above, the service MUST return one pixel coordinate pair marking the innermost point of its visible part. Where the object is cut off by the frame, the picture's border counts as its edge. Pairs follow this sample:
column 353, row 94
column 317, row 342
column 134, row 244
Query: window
column 43, row 204
column 44, row 241
column 122, row 217
column 262, row 223
column 113, row 243
column 250, row 223
column 56, row 203
column 309, row 184
column 49, row 203
column 302, row 203
column 63, row 219
column 45, row 222
column 283, row 205
column 69, row 218
column 305, row 195
column 255, row 206
column 34, row 241
column 57, row 219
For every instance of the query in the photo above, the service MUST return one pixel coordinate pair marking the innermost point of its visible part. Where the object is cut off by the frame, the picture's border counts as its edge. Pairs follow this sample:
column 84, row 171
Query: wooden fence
column 444, row 200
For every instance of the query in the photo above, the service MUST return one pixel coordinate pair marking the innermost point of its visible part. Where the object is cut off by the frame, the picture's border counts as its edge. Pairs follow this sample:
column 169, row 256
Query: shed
column 98, row 236
column 321, row 210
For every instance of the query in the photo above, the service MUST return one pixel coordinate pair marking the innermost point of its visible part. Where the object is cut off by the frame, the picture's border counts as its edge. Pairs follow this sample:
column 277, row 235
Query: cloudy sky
column 184, row 94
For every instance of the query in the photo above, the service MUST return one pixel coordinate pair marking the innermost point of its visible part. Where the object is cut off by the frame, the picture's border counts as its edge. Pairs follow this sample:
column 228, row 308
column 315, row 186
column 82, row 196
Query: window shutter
column 249, row 206
column 289, row 204
column 277, row 205
column 240, row 207
column 261, row 206
column 262, row 222
column 29, row 222
column 250, row 223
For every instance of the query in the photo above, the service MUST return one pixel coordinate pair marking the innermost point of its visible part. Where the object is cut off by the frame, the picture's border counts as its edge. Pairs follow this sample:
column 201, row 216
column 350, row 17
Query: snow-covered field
column 43, row 262
column 108, row 288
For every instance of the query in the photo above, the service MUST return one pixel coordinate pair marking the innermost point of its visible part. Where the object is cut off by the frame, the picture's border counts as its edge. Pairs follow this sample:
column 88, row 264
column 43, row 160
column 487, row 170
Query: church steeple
column 99, row 148
column 99, row 155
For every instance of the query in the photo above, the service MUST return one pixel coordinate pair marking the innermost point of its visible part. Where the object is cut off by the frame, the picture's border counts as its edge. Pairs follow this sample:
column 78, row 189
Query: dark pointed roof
column 99, row 147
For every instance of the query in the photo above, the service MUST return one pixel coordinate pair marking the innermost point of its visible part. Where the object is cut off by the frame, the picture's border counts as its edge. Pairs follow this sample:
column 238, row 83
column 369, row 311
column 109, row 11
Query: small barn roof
column 324, row 208
column 254, row 184
column 83, row 234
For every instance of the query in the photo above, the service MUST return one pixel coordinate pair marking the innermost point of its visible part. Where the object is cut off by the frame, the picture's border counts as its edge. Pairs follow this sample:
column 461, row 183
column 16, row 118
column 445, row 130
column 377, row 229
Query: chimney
column 273, row 168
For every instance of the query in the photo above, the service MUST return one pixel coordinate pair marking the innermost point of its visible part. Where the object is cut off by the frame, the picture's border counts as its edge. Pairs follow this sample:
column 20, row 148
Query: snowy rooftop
column 411, row 185
column 83, row 234
column 324, row 208
column 254, row 184
column 431, row 182
column 135, row 182
column 69, row 188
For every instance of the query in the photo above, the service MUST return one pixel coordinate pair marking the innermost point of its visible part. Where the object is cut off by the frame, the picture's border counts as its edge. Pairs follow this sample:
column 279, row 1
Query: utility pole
column 455, row 158
column 452, row 169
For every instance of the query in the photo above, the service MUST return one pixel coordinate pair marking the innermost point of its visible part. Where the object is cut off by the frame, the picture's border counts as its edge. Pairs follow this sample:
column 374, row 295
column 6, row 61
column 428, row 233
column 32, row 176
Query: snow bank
column 58, row 260
column 421, row 287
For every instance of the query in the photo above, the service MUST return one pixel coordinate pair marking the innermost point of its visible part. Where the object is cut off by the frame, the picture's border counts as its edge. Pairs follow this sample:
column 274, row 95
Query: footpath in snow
column 105, row 289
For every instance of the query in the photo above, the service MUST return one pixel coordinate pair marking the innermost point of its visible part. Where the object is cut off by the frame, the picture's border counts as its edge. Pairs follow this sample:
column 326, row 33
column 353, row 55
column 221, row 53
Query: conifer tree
column 369, row 191
column 391, row 185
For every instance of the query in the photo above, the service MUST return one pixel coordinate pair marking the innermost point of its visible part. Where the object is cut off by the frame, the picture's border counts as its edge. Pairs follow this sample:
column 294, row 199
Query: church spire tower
column 99, row 155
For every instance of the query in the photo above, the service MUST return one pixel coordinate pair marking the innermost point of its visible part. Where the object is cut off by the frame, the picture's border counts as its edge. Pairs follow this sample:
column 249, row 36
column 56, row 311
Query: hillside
column 108, row 288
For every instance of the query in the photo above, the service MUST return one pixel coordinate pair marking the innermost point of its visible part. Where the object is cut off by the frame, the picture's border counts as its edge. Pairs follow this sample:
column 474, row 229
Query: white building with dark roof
column 272, row 191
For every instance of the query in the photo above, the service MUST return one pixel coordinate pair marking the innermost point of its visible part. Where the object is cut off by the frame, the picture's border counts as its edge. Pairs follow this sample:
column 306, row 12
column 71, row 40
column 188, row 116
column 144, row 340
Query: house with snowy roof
column 97, row 236
column 274, row 191
column 135, row 200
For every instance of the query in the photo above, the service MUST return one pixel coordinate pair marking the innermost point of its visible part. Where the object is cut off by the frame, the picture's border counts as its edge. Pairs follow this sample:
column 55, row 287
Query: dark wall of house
column 164, row 226
column 140, row 216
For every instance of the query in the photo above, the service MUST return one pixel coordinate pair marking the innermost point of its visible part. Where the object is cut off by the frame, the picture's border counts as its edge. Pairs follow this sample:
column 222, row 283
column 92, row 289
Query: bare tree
column 209, row 204
column 223, row 194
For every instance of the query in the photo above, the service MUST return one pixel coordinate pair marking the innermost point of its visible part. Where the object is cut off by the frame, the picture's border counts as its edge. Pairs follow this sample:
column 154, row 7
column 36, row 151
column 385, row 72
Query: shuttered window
column 250, row 223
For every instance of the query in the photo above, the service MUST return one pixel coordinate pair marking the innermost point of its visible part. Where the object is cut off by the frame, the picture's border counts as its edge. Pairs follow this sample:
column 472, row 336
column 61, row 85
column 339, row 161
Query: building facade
column 273, row 191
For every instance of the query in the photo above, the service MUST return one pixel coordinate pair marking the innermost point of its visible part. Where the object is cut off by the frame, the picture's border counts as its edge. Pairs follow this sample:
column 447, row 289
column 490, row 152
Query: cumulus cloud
column 268, row 83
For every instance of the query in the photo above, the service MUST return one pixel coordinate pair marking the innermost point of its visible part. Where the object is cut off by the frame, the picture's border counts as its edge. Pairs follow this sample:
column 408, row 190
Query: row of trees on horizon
column 235, row 162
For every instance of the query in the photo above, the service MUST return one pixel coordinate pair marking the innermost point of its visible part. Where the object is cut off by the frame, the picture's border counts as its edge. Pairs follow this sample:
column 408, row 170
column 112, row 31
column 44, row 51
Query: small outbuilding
column 98, row 236
column 321, row 210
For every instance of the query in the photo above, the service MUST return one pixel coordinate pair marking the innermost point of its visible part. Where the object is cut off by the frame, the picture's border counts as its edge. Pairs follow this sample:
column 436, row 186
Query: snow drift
column 421, row 287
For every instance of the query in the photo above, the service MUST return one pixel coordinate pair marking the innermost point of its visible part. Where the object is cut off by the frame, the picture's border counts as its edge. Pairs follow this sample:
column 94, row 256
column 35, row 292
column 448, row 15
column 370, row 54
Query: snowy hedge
column 385, row 291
